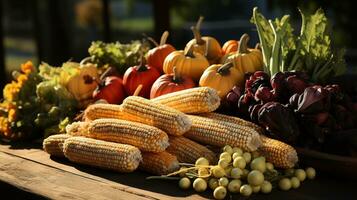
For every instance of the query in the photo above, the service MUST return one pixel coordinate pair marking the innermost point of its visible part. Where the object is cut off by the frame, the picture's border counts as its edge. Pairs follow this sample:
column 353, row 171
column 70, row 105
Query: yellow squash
column 221, row 78
column 245, row 59
column 188, row 63
column 206, row 45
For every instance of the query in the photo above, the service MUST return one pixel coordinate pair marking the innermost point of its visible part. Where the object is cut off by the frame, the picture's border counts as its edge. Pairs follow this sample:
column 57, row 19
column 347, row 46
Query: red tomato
column 111, row 89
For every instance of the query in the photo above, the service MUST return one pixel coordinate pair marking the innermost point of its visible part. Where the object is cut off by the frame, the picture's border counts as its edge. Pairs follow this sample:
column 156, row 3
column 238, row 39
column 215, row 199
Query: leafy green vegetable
column 120, row 56
column 311, row 51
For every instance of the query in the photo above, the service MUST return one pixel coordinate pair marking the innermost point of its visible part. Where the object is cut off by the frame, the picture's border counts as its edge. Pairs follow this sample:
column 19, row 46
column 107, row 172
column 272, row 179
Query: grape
column 237, row 150
column 213, row 183
column 245, row 173
column 255, row 154
column 247, row 157
column 239, row 162
column 218, row 171
column 258, row 164
column 300, row 174
column 256, row 189
column 203, row 172
column 255, row 178
column 184, row 183
column 246, row 190
column 220, row 192
column 310, row 173
column 228, row 149
column 269, row 166
column 223, row 163
column 285, row 184
column 223, row 181
column 234, row 186
column 295, row 182
column 202, row 161
column 266, row 187
column 236, row 173
column 199, row 185
column 226, row 155
column 182, row 174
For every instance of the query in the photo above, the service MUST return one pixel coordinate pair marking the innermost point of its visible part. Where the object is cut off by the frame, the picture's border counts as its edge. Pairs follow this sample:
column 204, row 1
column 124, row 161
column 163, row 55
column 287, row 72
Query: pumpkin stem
column 176, row 78
column 189, row 52
column 225, row 69
column 197, row 35
column 164, row 37
column 243, row 43
column 85, row 60
column 141, row 67
column 138, row 90
column 258, row 46
column 199, row 22
column 109, row 71
column 152, row 40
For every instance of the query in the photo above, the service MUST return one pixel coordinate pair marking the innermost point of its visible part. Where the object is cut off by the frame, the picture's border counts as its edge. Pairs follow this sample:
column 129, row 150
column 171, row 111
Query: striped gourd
column 195, row 100
column 102, row 154
column 145, row 137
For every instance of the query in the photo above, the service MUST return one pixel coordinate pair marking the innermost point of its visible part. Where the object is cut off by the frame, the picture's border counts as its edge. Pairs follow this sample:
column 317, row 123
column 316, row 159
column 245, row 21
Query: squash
column 230, row 46
column 141, row 74
column 84, row 82
column 169, row 83
column 206, row 45
column 157, row 55
column 188, row 63
column 221, row 78
column 245, row 59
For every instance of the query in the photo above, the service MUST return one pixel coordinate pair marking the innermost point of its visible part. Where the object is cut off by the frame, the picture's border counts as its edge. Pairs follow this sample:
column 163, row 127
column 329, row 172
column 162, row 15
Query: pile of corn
column 155, row 135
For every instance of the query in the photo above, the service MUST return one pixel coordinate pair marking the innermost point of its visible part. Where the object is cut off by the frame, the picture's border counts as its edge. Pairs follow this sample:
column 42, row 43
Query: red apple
column 110, row 89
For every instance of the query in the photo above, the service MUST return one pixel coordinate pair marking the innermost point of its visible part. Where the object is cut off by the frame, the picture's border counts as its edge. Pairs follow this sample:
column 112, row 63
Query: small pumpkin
column 221, row 78
column 157, row 55
column 169, row 83
column 188, row 63
column 230, row 46
column 205, row 45
column 141, row 74
column 84, row 82
column 245, row 59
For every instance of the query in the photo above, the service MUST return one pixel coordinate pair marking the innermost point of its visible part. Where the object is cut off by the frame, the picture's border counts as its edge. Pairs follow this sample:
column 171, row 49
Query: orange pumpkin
column 169, row 83
column 230, row 46
column 157, row 55
column 188, row 63
column 206, row 45
column 221, row 78
column 245, row 59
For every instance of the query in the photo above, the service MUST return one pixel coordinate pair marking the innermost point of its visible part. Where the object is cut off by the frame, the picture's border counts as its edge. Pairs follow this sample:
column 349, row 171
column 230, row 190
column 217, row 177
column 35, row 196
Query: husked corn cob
column 102, row 154
column 102, row 110
column 159, row 163
column 145, row 137
column 195, row 100
column 188, row 151
column 279, row 153
column 220, row 133
column 53, row 145
column 142, row 110
column 234, row 120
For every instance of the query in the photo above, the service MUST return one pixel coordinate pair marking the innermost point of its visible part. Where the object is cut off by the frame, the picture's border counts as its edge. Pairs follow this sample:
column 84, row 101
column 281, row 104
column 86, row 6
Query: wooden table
column 33, row 171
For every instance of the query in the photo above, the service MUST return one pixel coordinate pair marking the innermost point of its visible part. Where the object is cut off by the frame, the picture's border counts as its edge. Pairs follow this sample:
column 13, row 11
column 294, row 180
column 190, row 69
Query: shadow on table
column 23, row 145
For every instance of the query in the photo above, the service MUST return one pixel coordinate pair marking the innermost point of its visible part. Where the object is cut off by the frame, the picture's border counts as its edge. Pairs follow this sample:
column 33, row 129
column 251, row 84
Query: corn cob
column 102, row 154
column 221, row 133
column 145, row 137
column 195, row 100
column 234, row 120
column 188, row 151
column 142, row 110
column 280, row 154
column 97, row 111
column 159, row 163
column 53, row 145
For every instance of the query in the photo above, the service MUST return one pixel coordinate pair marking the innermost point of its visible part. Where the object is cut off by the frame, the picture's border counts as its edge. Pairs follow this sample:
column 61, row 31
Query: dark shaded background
column 58, row 30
